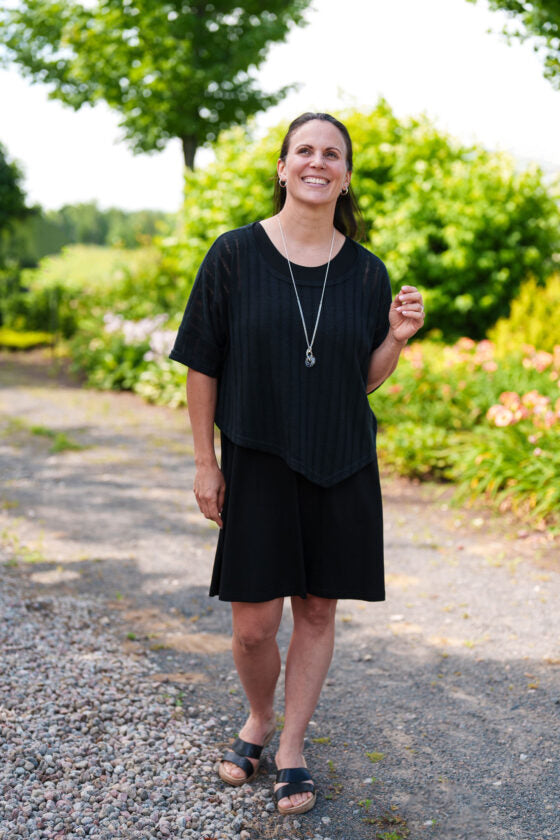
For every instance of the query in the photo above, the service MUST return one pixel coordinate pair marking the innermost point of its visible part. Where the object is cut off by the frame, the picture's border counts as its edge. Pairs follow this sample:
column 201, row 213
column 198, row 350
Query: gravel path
column 441, row 712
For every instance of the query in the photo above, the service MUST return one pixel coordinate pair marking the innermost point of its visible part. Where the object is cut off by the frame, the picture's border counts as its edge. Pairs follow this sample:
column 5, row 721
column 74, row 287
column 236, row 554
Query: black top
column 242, row 325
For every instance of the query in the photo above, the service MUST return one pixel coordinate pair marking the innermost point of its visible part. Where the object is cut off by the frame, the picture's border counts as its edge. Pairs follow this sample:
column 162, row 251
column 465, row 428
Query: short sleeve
column 202, row 339
column 384, row 299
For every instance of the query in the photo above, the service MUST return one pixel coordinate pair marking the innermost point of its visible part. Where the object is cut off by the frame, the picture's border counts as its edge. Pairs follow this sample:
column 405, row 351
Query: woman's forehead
column 318, row 133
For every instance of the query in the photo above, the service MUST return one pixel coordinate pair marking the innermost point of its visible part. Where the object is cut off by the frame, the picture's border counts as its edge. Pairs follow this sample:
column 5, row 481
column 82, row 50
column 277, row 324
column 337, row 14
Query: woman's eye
column 332, row 154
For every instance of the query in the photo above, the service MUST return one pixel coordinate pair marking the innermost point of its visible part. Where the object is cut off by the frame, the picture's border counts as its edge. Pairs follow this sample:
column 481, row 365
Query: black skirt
column 285, row 535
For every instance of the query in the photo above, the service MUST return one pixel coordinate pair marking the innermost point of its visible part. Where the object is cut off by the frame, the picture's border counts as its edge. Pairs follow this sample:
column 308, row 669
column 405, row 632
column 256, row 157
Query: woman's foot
column 288, row 759
column 259, row 732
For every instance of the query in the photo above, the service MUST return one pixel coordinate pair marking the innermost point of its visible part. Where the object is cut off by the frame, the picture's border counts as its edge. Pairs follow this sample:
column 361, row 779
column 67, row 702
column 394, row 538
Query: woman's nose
column 318, row 160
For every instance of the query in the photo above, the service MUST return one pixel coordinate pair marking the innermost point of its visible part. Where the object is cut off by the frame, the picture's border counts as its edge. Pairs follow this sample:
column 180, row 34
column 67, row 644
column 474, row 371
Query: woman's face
column 315, row 166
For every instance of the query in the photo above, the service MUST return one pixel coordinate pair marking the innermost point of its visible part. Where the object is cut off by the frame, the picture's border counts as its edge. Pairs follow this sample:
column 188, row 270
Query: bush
column 12, row 340
column 532, row 318
column 84, row 282
column 489, row 425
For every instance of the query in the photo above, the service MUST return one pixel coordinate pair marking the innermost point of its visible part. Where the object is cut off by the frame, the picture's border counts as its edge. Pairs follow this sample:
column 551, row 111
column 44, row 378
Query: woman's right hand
column 209, row 489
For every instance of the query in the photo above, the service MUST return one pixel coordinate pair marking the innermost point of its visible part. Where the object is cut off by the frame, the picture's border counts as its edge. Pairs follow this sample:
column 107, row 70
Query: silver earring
column 344, row 191
column 282, row 183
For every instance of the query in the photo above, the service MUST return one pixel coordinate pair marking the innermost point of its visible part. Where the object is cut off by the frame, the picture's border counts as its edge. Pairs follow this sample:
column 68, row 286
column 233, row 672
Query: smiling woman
column 338, row 158
column 288, row 327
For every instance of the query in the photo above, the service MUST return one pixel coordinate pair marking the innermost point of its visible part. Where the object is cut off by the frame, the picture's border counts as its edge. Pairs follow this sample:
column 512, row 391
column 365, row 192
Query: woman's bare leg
column 307, row 663
column 257, row 659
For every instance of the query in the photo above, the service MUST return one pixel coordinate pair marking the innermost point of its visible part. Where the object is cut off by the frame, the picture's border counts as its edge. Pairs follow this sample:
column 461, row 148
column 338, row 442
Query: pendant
column 309, row 358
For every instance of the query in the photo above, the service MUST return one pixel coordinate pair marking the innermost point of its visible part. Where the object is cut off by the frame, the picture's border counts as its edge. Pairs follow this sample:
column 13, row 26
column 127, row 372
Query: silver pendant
column 309, row 358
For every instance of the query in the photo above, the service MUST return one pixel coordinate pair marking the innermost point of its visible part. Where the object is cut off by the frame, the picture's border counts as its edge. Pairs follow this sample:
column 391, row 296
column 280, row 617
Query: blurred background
column 131, row 135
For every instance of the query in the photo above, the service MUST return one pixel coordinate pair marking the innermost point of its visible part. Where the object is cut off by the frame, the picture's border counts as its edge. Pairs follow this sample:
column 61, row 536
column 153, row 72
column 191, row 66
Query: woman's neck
column 308, row 236
column 307, row 226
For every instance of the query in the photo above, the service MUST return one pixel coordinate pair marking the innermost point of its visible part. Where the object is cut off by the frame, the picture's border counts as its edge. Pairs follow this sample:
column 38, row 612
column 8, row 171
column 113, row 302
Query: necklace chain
column 309, row 357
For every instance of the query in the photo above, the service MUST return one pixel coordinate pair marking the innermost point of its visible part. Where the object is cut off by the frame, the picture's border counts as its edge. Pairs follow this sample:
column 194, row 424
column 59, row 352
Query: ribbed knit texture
column 242, row 326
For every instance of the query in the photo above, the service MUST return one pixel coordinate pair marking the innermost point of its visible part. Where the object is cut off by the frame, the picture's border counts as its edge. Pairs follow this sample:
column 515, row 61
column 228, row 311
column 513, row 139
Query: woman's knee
column 255, row 626
column 317, row 613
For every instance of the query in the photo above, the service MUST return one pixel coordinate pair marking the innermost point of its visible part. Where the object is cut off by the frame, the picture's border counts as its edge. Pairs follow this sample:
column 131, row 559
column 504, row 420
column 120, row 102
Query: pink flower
column 534, row 400
column 465, row 344
column 542, row 360
column 537, row 451
column 490, row 366
column 500, row 415
column 510, row 399
column 395, row 389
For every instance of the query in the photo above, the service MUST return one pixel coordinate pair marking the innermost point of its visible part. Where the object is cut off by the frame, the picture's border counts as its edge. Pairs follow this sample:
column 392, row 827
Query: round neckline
column 340, row 266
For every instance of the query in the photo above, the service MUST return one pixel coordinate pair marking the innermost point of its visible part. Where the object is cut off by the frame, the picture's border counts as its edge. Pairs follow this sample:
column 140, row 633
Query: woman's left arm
column 406, row 316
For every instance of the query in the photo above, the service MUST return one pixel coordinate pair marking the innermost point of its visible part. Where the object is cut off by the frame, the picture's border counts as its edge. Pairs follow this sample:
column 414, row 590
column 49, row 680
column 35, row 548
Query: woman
column 288, row 327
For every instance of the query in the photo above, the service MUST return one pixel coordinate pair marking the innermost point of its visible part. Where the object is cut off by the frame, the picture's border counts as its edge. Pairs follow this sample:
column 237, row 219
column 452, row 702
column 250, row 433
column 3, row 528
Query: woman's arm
column 383, row 361
column 209, row 485
column 406, row 316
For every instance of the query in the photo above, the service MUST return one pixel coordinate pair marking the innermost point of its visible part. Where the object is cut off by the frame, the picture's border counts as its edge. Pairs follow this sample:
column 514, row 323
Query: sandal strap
column 294, row 774
column 293, row 787
column 298, row 781
column 240, row 761
column 242, row 747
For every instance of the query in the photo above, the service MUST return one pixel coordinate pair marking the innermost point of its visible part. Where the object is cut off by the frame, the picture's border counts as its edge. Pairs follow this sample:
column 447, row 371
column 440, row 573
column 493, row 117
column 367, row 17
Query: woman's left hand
column 406, row 314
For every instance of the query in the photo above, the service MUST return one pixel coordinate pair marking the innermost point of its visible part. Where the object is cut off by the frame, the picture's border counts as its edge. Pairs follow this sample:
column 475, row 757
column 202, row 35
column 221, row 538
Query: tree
column 12, row 198
column 538, row 19
column 171, row 69
column 460, row 222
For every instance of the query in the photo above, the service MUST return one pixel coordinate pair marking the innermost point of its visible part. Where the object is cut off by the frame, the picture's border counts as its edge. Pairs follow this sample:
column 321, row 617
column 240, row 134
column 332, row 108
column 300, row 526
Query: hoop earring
column 282, row 183
column 344, row 191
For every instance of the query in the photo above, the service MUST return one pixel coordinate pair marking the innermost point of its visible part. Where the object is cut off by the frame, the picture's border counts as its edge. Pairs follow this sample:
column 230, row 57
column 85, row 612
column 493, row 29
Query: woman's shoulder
column 234, row 237
column 368, row 256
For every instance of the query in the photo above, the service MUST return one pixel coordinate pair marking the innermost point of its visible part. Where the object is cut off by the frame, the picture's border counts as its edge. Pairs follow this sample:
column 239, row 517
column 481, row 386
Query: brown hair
column 347, row 216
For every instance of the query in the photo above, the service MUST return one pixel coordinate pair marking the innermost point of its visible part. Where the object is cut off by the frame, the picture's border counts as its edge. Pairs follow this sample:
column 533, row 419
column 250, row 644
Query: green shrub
column 12, row 340
column 532, row 318
column 85, row 281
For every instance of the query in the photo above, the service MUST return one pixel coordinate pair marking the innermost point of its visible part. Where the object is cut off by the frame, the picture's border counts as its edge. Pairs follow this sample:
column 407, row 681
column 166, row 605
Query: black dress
column 302, row 512
column 286, row 535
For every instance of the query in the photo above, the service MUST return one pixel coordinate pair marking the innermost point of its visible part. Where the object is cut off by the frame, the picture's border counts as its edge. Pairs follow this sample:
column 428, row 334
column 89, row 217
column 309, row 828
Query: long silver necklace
column 309, row 357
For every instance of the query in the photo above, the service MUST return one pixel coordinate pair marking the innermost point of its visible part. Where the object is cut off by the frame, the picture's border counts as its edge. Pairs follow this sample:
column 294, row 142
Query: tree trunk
column 189, row 150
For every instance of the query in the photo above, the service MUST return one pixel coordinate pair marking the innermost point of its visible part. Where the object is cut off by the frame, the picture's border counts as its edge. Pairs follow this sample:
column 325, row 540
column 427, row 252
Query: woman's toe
column 233, row 770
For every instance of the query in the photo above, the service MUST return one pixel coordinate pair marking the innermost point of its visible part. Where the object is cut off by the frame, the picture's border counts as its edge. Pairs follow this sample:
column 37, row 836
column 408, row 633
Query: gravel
column 90, row 746
column 453, row 680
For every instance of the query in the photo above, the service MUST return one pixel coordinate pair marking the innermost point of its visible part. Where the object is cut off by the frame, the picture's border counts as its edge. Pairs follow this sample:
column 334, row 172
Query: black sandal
column 240, row 754
column 299, row 781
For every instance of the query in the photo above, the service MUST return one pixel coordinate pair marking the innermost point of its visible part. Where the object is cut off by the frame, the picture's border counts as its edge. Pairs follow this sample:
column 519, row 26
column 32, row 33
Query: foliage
column 81, row 284
column 13, row 340
column 539, row 19
column 130, row 355
column 171, row 70
column 490, row 425
column 45, row 232
column 459, row 222
column 532, row 318
column 12, row 198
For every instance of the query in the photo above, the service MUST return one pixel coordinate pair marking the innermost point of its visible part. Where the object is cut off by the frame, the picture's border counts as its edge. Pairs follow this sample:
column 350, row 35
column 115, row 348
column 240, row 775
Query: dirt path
column 441, row 712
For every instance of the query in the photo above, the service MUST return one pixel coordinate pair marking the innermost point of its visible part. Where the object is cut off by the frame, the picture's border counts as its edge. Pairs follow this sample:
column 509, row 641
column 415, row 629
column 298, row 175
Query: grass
column 20, row 551
column 61, row 441
column 374, row 757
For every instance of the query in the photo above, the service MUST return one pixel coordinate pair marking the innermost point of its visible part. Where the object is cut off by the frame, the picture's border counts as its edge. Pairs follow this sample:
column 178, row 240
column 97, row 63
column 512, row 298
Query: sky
column 434, row 57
